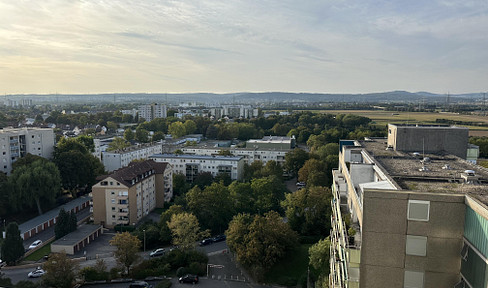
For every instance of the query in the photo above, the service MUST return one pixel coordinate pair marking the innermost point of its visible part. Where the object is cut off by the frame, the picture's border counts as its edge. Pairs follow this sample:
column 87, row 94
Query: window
column 418, row 210
column 113, row 201
column 416, row 245
column 113, row 208
column 413, row 279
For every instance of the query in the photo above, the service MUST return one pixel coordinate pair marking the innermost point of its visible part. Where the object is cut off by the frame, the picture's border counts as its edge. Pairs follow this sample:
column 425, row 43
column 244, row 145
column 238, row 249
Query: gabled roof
column 135, row 172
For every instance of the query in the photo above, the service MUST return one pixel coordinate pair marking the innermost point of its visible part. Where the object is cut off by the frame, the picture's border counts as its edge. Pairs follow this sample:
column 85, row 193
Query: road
column 101, row 248
column 203, row 283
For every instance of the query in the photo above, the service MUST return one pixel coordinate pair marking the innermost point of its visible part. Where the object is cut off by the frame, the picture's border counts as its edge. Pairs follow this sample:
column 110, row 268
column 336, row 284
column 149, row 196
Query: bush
column 164, row 284
column 27, row 284
column 153, row 267
column 197, row 268
column 115, row 273
column 124, row 228
column 176, row 259
column 181, row 271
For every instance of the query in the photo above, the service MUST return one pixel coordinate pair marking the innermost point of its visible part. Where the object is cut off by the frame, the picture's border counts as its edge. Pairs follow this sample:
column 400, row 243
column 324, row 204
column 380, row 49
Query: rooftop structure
column 276, row 142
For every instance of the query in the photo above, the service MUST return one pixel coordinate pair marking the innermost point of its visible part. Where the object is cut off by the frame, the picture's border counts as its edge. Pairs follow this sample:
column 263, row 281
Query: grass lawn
column 289, row 270
column 38, row 254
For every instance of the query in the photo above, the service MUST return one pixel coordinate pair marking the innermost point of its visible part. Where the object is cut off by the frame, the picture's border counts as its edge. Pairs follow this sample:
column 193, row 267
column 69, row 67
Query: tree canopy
column 13, row 247
column 185, row 230
column 127, row 248
column 60, row 271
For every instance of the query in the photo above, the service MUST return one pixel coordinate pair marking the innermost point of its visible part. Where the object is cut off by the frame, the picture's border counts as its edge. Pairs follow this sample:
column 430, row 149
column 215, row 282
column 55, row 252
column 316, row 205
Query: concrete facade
column 16, row 143
column 429, row 139
column 113, row 160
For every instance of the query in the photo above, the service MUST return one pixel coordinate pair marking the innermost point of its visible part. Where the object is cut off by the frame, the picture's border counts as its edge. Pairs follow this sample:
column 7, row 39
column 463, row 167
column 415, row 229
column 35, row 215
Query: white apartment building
column 16, row 143
column 153, row 111
column 249, row 154
column 192, row 165
column 239, row 111
column 113, row 160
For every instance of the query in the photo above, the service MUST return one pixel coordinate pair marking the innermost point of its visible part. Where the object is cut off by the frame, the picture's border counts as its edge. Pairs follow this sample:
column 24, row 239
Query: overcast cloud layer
column 329, row 46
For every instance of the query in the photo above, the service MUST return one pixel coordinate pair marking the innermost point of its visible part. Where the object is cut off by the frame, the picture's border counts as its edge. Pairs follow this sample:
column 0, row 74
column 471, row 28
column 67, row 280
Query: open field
column 382, row 118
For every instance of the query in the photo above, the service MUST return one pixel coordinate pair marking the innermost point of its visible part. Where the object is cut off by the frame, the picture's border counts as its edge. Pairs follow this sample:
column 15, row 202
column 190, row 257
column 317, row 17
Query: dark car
column 205, row 242
column 140, row 284
column 219, row 238
column 189, row 278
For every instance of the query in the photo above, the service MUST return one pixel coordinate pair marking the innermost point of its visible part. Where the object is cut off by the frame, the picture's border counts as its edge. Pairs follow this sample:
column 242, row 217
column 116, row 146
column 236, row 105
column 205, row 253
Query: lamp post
column 144, row 239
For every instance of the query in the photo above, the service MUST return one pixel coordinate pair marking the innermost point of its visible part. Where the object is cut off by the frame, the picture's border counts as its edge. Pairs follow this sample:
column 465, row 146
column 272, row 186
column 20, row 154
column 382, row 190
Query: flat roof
column 418, row 126
column 75, row 237
column 200, row 157
column 51, row 214
column 443, row 173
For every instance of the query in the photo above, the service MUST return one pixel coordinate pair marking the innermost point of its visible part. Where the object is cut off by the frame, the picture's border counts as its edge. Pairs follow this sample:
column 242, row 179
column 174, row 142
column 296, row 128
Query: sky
column 223, row 46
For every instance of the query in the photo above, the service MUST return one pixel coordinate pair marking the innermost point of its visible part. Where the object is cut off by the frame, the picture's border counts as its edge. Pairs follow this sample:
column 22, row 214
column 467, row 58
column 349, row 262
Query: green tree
column 319, row 255
column 267, row 193
column 190, row 126
column 295, row 159
column 272, row 168
column 203, row 180
column 35, row 183
column 77, row 169
column 242, row 197
column 315, row 173
column 176, row 129
column 212, row 206
column 13, row 247
column 87, row 141
column 142, row 135
column 73, row 222
column 128, row 134
column 186, row 230
column 117, row 144
column 180, row 186
column 61, row 228
column 60, row 271
column 165, row 232
column 308, row 210
column 262, row 242
column 158, row 135
column 127, row 250
column 27, row 160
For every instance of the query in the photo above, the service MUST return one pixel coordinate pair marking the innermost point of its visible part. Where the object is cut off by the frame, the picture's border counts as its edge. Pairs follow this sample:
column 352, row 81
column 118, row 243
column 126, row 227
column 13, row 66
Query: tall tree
column 190, row 126
column 117, row 144
column 128, row 134
column 13, row 247
column 36, row 183
column 176, row 129
column 142, row 135
column 127, row 249
column 60, row 271
column 212, row 206
column 61, row 228
column 186, row 230
column 262, row 242
column 295, row 159
column 268, row 193
column 165, row 232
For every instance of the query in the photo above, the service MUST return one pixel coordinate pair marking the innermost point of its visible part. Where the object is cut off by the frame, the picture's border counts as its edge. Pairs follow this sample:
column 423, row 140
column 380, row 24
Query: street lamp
column 144, row 239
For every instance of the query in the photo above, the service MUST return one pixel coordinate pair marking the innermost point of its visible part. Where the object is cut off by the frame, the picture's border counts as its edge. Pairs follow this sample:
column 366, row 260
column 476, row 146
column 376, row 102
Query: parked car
column 219, row 238
column 301, row 184
column 2, row 264
column 205, row 242
column 157, row 252
column 35, row 244
column 36, row 273
column 189, row 278
column 140, row 284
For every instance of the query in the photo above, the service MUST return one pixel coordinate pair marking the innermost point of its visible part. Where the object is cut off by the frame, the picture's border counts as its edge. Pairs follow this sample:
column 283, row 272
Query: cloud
column 235, row 45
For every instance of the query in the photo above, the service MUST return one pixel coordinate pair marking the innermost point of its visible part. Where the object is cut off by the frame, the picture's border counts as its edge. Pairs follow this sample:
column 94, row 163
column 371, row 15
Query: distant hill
column 245, row 97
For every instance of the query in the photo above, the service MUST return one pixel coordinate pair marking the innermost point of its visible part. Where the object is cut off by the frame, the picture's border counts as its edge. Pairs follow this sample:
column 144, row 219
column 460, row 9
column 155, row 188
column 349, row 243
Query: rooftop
column 74, row 237
column 440, row 172
column 199, row 157
column 136, row 171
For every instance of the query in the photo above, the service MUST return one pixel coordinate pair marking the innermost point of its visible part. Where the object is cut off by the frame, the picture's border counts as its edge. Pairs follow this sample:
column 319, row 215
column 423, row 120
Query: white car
column 36, row 273
column 2, row 263
column 157, row 252
column 35, row 244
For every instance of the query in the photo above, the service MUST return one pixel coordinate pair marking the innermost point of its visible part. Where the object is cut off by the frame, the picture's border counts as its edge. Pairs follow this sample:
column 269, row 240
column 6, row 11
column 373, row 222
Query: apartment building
column 273, row 142
column 249, row 154
column 153, row 111
column 113, row 160
column 15, row 143
column 130, row 193
column 192, row 165
column 408, row 219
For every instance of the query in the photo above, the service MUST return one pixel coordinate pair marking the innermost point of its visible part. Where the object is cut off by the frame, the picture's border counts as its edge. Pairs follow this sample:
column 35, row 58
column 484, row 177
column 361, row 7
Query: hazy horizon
column 91, row 47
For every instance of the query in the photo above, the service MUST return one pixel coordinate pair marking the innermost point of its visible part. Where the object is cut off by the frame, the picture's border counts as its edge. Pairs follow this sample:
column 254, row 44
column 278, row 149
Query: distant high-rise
column 153, row 111
column 16, row 143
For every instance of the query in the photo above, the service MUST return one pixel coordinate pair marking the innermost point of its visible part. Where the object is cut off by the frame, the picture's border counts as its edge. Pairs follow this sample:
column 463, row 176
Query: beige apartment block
column 130, row 193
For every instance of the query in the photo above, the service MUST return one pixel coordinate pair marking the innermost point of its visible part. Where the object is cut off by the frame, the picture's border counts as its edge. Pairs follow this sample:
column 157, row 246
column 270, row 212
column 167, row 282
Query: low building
column 40, row 223
column 272, row 142
column 130, row 193
column 113, row 160
column 77, row 240
column 192, row 165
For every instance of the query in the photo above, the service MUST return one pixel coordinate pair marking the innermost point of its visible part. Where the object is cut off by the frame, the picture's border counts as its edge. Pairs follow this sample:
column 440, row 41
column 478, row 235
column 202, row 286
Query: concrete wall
column 454, row 140
column 384, row 230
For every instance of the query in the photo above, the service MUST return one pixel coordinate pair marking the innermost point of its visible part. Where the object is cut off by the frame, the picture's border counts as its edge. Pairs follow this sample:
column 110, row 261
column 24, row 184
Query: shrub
column 197, row 268
column 115, row 273
column 124, row 228
column 181, row 271
column 165, row 283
